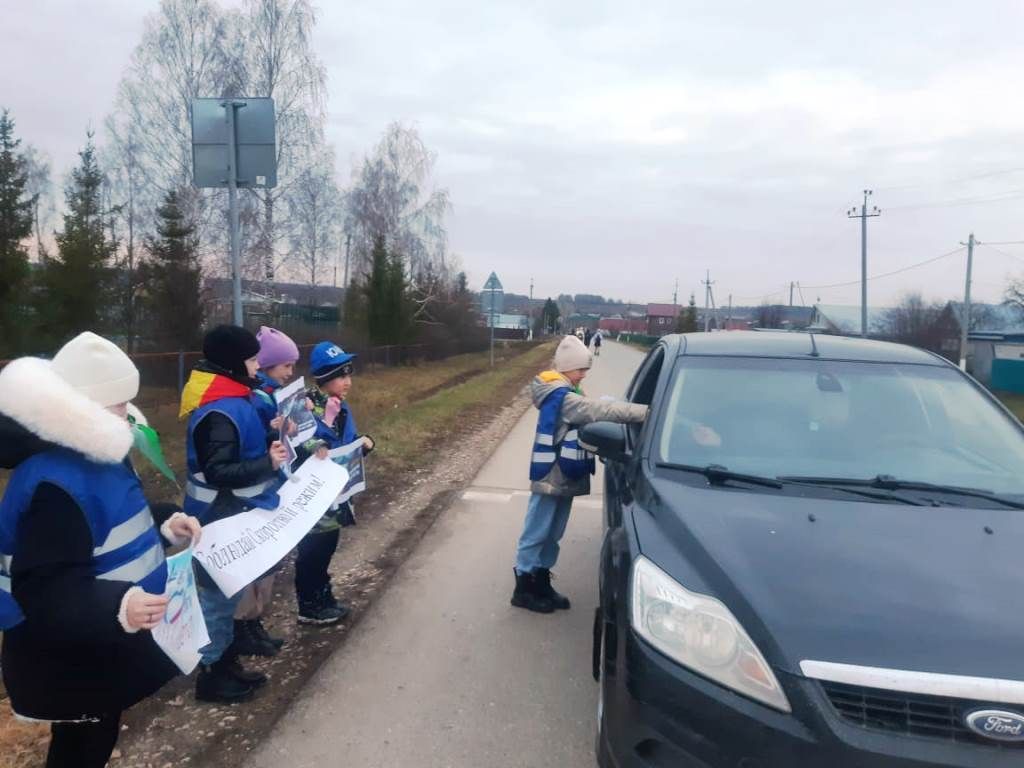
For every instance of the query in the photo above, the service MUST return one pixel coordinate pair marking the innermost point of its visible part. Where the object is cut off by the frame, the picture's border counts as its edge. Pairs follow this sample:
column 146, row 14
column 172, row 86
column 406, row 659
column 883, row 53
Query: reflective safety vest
column 574, row 462
column 127, row 545
column 252, row 435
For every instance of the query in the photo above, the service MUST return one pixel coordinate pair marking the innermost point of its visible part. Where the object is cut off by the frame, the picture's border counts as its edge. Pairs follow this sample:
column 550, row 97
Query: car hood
column 934, row 589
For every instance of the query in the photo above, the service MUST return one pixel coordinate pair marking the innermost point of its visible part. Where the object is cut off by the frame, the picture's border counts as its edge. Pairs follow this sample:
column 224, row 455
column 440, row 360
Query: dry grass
column 22, row 745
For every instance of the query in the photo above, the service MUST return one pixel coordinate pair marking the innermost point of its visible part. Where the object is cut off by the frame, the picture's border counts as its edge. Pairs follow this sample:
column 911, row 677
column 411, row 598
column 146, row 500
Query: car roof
column 791, row 344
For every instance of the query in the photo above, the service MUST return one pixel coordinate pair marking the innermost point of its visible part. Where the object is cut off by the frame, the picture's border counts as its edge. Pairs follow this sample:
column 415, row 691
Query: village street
column 442, row 671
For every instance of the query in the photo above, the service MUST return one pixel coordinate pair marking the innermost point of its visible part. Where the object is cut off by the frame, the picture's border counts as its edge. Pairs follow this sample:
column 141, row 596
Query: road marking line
column 484, row 496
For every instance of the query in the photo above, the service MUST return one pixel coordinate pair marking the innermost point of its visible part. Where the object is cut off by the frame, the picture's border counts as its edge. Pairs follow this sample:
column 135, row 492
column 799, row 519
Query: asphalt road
column 443, row 671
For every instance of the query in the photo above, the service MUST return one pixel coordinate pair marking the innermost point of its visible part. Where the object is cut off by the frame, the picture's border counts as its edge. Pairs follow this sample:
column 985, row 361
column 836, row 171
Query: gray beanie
column 572, row 355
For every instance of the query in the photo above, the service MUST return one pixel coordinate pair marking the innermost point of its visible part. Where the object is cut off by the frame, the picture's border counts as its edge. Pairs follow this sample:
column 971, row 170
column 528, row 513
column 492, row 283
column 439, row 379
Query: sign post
column 492, row 294
column 234, row 148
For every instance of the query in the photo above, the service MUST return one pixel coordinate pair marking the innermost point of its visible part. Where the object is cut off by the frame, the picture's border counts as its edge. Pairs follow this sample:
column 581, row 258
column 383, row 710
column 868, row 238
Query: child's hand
column 185, row 527
column 368, row 444
column 275, row 423
column 321, row 452
column 332, row 409
column 278, row 454
column 145, row 611
column 309, row 404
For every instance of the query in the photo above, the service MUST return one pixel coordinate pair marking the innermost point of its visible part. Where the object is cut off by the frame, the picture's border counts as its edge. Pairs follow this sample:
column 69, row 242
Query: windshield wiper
column 838, row 484
column 719, row 475
column 890, row 483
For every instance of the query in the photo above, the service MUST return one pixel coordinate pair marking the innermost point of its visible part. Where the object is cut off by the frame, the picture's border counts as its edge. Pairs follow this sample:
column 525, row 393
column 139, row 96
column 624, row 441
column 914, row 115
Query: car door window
column 642, row 390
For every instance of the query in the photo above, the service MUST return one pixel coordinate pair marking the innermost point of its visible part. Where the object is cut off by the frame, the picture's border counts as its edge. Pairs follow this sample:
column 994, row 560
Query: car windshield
column 816, row 418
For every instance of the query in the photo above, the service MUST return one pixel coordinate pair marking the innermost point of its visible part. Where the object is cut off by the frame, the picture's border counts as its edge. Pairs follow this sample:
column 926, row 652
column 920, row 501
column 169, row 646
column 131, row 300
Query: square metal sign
column 255, row 142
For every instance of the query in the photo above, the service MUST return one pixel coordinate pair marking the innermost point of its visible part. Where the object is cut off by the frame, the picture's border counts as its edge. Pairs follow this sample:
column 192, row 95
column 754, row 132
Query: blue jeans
column 219, row 614
column 546, row 518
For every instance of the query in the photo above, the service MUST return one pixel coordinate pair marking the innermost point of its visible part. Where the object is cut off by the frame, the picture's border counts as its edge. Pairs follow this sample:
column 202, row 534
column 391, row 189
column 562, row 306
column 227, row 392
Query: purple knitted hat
column 276, row 348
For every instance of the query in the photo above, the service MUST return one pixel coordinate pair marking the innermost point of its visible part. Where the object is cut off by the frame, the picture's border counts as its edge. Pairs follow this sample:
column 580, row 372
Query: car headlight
column 700, row 633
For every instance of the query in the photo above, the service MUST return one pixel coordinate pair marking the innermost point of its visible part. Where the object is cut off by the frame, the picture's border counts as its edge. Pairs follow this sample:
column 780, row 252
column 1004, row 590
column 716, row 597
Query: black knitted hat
column 229, row 346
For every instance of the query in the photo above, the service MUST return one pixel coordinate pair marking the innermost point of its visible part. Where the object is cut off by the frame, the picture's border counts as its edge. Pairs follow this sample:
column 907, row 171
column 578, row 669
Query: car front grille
column 933, row 717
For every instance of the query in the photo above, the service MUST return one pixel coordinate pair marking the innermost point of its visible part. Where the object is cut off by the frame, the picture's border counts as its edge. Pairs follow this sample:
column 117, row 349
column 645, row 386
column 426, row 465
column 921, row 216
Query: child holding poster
column 82, row 568
column 331, row 367
column 277, row 358
column 230, row 470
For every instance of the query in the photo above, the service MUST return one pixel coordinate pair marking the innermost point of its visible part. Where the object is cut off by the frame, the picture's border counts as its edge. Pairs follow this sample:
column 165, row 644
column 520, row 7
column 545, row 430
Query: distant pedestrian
column 587, row 336
column 597, row 343
column 560, row 470
column 230, row 470
column 82, row 569
column 336, row 426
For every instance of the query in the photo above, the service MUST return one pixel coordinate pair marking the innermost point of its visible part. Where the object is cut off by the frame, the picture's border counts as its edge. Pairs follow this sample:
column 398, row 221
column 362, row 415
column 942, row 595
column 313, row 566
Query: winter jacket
column 576, row 411
column 341, row 431
column 69, row 658
column 227, row 460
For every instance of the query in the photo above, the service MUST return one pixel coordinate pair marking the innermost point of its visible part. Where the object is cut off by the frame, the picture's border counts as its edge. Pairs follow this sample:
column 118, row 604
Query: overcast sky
column 613, row 147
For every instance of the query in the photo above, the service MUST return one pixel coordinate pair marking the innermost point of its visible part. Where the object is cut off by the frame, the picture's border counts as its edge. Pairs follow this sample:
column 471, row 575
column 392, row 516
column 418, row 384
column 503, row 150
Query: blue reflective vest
column 127, row 545
column 252, row 435
column 264, row 398
column 572, row 460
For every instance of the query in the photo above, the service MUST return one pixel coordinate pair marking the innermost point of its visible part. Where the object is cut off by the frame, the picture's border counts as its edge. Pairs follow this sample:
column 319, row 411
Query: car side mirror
column 605, row 438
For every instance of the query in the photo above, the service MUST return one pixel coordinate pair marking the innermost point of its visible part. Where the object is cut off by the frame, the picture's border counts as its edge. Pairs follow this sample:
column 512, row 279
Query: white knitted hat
column 572, row 355
column 98, row 369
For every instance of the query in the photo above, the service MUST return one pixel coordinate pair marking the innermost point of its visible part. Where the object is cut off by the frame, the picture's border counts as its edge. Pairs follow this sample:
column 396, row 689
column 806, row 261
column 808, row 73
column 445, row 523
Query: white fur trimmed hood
column 34, row 396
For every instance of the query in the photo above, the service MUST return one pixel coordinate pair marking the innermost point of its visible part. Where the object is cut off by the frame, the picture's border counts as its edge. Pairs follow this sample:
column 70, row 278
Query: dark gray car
column 813, row 557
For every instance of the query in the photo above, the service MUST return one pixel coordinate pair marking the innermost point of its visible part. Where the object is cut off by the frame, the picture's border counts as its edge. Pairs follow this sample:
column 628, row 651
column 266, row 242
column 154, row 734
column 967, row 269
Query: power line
column 1001, row 252
column 973, row 177
column 888, row 274
column 994, row 197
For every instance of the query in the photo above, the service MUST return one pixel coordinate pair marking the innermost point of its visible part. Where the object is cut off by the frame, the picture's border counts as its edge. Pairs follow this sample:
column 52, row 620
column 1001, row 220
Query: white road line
column 485, row 496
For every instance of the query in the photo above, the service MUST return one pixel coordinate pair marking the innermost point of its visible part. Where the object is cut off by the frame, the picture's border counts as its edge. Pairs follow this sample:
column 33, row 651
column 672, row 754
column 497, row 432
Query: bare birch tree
column 390, row 197
column 279, row 62
column 314, row 212
column 39, row 184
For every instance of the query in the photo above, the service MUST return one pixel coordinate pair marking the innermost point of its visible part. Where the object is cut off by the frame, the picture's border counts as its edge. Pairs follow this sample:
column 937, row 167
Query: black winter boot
column 243, row 675
column 544, row 589
column 247, row 641
column 217, row 685
column 261, row 632
column 526, row 594
column 321, row 608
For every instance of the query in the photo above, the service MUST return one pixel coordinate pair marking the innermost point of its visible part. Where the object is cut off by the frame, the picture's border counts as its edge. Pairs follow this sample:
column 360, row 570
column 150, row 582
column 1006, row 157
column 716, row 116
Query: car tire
column 604, row 759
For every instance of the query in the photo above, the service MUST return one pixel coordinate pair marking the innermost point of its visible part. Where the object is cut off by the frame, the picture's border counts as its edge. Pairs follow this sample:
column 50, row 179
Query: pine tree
column 16, row 212
column 171, row 278
column 76, row 281
column 386, row 291
column 550, row 315
column 687, row 321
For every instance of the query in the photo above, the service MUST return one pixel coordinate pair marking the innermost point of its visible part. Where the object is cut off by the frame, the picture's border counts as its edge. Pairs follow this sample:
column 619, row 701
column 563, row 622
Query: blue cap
column 327, row 360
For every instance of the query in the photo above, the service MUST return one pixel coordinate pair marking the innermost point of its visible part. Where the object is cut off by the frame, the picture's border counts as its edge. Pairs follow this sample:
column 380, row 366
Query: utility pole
column 965, row 321
column 707, row 302
column 728, row 320
column 863, row 216
column 675, row 294
column 530, row 313
column 348, row 245
column 791, row 293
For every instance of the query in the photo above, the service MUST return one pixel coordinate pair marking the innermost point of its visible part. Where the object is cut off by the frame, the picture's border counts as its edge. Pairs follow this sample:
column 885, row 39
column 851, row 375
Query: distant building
column 846, row 320
column 508, row 326
column 619, row 324
column 661, row 318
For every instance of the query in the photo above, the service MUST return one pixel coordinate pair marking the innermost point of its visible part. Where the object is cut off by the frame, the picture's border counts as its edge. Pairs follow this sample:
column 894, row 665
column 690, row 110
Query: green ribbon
column 147, row 442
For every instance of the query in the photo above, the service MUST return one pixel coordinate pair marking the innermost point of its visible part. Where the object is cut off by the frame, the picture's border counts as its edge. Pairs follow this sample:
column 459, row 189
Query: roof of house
column 663, row 310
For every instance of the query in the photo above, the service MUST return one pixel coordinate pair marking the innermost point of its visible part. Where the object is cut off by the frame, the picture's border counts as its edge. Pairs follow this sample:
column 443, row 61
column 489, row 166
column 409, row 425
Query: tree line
column 134, row 238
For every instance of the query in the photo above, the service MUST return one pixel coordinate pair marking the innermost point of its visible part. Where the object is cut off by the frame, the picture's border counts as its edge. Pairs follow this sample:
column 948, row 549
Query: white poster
column 351, row 458
column 297, row 421
column 239, row 549
column 183, row 630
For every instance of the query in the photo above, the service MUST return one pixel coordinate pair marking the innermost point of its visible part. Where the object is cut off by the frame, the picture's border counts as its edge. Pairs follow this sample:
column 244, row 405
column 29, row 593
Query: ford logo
column 996, row 724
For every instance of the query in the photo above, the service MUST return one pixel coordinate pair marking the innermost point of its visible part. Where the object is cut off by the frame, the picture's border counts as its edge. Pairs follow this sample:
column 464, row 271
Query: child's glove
column 331, row 410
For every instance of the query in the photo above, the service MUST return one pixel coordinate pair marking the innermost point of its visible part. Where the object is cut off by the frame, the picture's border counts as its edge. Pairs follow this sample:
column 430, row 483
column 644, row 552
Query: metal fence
column 162, row 371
